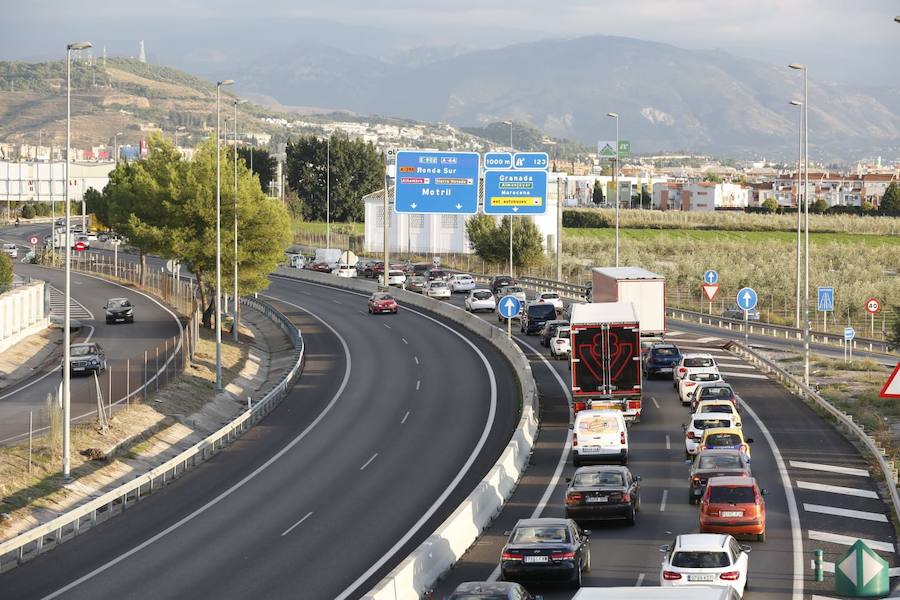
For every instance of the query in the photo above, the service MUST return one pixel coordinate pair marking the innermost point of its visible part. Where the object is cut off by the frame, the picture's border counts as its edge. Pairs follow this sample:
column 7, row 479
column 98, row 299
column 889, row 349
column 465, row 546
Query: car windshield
column 665, row 352
column 720, row 461
column 82, row 350
column 718, row 408
column 395, row 273
column 513, row 289
column 438, row 284
column 732, row 494
column 600, row 479
column 717, row 392
column 549, row 534
column 120, row 303
column 700, row 560
column 550, row 296
column 563, row 332
column 702, row 424
column 704, row 377
column 482, row 295
column 382, row 297
column 727, row 440
column 698, row 362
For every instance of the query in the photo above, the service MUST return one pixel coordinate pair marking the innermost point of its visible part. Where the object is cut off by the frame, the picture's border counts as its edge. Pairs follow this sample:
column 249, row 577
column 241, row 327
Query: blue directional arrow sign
column 509, row 307
column 746, row 298
column 444, row 183
column 711, row 277
column 531, row 160
column 514, row 192
column 849, row 334
column 826, row 299
column 498, row 160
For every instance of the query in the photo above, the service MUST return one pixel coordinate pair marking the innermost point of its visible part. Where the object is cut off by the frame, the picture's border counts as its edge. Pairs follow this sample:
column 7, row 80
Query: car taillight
column 634, row 404
column 574, row 440
column 626, row 497
column 671, row 575
column 689, row 384
column 682, row 371
column 690, row 435
column 696, row 479
column 622, row 437
column 574, row 498
column 562, row 556
column 730, row 575
column 510, row 556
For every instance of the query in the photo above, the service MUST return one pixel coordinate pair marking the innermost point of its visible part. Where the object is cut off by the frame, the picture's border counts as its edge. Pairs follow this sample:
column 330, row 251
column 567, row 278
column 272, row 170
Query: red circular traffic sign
column 34, row 240
column 873, row 305
column 79, row 246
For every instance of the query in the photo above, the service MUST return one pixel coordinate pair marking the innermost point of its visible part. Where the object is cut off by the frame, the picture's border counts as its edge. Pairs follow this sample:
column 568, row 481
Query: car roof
column 719, row 383
column 111, row 299
column 712, row 415
column 490, row 587
column 537, row 522
column 84, row 344
column 663, row 345
column 736, row 430
column 732, row 480
column 602, row 469
column 719, row 451
column 702, row 541
column 697, row 355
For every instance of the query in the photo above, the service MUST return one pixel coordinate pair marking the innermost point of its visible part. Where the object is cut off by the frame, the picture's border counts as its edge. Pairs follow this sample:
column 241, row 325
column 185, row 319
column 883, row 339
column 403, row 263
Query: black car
column 596, row 493
column 535, row 316
column 549, row 330
column 119, row 310
column 660, row 359
column 369, row 268
column 491, row 590
column 546, row 549
column 86, row 358
column 715, row 462
column 435, row 274
column 498, row 281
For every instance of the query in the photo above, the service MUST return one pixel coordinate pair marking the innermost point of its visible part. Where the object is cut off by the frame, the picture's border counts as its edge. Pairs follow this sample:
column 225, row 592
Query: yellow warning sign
column 516, row 201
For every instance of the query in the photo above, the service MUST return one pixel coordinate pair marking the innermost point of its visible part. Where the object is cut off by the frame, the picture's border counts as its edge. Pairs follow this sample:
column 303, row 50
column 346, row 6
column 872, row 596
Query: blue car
column 660, row 359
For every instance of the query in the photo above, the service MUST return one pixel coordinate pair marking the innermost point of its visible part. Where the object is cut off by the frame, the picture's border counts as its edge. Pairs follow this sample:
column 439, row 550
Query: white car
column 343, row 270
column 559, row 343
column 395, row 277
column 11, row 249
column 695, row 362
column 481, row 299
column 687, row 385
column 437, row 289
column 707, row 559
column 461, row 282
column 513, row 290
column 548, row 297
column 693, row 431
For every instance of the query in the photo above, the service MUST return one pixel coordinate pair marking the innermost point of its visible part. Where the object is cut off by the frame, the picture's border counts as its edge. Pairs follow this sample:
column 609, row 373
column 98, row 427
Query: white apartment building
column 703, row 196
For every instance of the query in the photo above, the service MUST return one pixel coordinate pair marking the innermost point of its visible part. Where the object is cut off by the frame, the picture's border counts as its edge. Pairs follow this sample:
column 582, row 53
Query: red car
column 733, row 505
column 321, row 267
column 380, row 302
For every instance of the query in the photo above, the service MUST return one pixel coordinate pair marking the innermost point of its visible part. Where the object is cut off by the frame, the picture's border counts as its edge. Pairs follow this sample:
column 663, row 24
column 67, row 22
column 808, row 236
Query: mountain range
column 667, row 98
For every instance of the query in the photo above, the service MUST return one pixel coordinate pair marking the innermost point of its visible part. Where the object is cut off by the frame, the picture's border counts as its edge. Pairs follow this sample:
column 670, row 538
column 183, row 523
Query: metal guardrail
column 43, row 537
column 888, row 467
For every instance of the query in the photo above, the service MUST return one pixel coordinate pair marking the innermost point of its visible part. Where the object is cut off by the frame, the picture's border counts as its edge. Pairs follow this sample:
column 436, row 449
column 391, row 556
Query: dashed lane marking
column 662, row 505
column 846, row 540
column 799, row 464
column 405, row 417
column 836, row 489
column 368, row 462
column 845, row 512
column 297, row 524
column 744, row 375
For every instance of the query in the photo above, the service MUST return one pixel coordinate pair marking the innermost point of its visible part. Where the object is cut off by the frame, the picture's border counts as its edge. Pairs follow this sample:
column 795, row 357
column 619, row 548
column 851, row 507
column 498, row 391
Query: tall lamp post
column 219, row 385
column 616, row 181
column 803, row 68
column 67, row 334
column 328, row 195
column 799, row 104
column 116, row 147
column 510, row 123
column 236, row 299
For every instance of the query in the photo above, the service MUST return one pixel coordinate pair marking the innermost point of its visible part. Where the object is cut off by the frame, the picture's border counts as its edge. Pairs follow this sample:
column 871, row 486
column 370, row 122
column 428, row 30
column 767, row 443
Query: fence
column 43, row 537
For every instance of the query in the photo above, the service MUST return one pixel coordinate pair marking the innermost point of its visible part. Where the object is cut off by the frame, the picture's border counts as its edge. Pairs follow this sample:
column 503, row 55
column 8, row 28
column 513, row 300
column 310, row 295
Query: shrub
column 583, row 219
column 6, row 272
column 28, row 211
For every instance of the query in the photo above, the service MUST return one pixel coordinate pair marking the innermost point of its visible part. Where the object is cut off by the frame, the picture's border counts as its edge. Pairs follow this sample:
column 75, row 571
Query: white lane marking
column 416, row 358
column 704, row 349
column 297, row 524
column 386, row 325
column 706, row 340
column 736, row 366
column 368, row 462
column 336, row 301
column 744, row 375
column 655, row 403
column 845, row 512
column 405, row 417
column 793, row 512
column 846, row 540
column 668, row 442
column 836, row 489
column 252, row 475
column 404, row 341
column 418, row 383
column 799, row 464
column 640, row 580
column 360, row 312
column 673, row 333
column 662, row 505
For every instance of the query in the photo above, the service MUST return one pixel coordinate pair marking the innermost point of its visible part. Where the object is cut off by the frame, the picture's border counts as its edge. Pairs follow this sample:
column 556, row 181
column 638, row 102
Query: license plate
column 597, row 499
column 701, row 577
column 732, row 513
column 117, row 320
column 78, row 369
column 536, row 559
column 590, row 450
column 666, row 370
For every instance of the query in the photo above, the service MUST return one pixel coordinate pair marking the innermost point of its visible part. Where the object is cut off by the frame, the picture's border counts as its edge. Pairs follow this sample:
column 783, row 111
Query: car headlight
column 129, row 311
column 94, row 361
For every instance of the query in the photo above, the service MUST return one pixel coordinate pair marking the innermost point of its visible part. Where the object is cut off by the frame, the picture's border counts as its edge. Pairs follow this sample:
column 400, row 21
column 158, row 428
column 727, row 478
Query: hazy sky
column 842, row 41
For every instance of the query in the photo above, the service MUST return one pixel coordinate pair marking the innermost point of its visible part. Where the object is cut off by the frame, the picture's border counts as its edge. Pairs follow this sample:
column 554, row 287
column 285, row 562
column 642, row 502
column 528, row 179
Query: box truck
column 605, row 341
column 646, row 290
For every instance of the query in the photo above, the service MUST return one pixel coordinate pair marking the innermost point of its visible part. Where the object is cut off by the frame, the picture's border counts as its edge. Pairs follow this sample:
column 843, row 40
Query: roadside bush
column 28, row 211
column 6, row 272
column 42, row 209
column 583, row 219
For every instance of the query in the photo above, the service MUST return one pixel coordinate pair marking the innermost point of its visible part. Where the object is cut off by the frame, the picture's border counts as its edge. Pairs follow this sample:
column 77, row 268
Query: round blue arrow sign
column 509, row 306
column 746, row 298
column 711, row 277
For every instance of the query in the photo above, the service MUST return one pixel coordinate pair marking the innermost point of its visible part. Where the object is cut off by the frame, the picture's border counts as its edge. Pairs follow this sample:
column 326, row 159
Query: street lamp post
column 616, row 182
column 116, row 147
column 803, row 68
column 67, row 334
column 219, row 383
column 799, row 203
column 236, row 299
column 328, row 195
column 510, row 123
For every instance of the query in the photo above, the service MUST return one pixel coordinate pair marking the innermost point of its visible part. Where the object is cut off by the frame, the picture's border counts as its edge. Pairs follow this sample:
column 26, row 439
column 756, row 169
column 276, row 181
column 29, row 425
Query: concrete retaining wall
column 419, row 571
column 23, row 312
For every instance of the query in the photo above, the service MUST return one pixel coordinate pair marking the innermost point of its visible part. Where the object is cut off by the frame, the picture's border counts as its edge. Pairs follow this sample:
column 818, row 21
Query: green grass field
column 755, row 237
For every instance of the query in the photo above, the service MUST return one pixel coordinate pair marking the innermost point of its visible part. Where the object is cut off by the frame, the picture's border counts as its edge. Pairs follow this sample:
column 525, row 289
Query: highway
column 393, row 421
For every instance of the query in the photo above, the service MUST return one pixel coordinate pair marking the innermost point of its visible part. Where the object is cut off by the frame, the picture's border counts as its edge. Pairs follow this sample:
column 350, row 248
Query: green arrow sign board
column 861, row 573
column 624, row 149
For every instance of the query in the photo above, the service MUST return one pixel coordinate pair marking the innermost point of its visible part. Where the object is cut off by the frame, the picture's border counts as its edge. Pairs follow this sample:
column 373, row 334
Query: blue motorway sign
column 746, row 298
column 826, row 299
column 497, row 160
column 443, row 183
column 711, row 277
column 509, row 306
column 513, row 192
column 538, row 161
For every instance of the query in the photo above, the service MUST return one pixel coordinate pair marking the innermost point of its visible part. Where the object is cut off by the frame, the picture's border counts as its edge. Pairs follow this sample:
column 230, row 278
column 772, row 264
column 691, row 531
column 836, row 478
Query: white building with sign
column 43, row 181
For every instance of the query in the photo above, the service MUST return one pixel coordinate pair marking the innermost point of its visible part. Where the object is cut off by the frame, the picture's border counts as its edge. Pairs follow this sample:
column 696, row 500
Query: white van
column 599, row 435
column 656, row 593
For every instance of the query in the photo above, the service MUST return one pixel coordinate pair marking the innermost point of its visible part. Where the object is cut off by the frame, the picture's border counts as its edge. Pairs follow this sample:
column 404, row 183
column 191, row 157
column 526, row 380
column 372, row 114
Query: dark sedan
column 549, row 330
column 416, row 283
column 546, row 549
column 660, row 359
column 736, row 312
column 498, row 281
column 596, row 493
column 491, row 590
column 715, row 463
column 119, row 310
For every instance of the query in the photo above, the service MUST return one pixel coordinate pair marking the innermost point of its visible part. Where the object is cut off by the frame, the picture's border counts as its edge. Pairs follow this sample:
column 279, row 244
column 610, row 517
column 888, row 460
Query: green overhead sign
column 624, row 149
column 607, row 149
column 861, row 573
